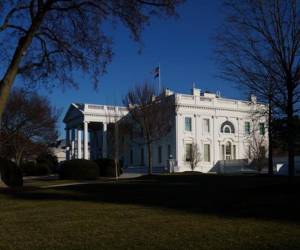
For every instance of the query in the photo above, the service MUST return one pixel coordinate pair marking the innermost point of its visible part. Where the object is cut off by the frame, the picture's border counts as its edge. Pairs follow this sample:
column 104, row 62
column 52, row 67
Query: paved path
column 102, row 180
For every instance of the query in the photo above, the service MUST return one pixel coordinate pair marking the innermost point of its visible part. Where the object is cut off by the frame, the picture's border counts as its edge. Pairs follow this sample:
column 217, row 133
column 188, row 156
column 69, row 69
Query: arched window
column 227, row 127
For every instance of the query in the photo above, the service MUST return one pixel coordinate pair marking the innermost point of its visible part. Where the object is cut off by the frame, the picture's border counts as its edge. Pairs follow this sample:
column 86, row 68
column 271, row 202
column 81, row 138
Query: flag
column 156, row 72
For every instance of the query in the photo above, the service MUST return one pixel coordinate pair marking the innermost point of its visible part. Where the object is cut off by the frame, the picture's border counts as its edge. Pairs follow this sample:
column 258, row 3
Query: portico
column 86, row 129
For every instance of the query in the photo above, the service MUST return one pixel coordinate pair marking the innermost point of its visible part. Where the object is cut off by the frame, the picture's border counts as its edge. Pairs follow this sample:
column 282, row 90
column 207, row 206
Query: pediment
column 74, row 112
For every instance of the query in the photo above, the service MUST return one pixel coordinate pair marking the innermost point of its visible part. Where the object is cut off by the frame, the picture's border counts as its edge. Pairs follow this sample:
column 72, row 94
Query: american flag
column 156, row 72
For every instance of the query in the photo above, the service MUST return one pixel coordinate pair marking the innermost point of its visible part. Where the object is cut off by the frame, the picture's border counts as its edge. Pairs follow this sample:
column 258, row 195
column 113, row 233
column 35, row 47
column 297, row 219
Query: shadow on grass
column 259, row 197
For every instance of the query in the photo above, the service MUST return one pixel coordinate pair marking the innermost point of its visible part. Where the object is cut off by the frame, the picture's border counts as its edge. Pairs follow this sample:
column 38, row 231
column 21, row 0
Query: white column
column 214, row 144
column 73, row 143
column 104, row 140
column 179, row 144
column 68, row 144
column 85, row 140
column 79, row 154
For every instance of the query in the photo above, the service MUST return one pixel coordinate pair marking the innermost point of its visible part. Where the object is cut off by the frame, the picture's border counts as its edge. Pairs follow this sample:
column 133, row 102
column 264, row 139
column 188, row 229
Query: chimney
column 253, row 98
column 195, row 91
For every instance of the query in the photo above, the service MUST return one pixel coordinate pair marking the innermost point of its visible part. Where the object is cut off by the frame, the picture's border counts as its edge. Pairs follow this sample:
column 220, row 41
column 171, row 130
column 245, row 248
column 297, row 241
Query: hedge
column 79, row 169
column 107, row 167
column 35, row 169
column 11, row 174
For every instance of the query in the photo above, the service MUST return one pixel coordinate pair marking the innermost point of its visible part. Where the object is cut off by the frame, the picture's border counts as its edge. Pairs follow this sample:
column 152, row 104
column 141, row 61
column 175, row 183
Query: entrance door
column 228, row 151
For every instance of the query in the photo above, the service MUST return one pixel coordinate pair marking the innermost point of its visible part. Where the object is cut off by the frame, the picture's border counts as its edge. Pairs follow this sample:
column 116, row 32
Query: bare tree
column 28, row 126
column 194, row 155
column 256, row 146
column 258, row 48
column 152, row 116
column 116, row 148
column 44, row 41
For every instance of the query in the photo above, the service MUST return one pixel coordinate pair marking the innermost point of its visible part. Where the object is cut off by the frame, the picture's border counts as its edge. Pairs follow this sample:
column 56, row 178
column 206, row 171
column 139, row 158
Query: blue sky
column 183, row 47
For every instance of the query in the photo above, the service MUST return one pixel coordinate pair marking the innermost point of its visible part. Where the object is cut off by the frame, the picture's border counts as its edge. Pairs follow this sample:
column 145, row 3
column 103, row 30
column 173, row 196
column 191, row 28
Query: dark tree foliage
column 280, row 132
column 28, row 126
column 10, row 173
column 44, row 41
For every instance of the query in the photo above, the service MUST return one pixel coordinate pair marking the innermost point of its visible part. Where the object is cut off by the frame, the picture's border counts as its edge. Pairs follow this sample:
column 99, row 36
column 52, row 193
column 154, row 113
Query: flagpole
column 159, row 83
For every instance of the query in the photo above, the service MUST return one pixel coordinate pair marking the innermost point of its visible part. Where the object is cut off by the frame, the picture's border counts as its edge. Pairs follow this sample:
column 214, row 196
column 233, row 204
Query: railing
column 92, row 106
column 111, row 108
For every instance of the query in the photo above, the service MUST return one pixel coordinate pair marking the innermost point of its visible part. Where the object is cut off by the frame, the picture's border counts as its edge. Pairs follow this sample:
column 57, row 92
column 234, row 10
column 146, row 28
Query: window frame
column 188, row 153
column 159, row 152
column 206, row 146
column 262, row 128
column 247, row 129
column 131, row 157
column 206, row 126
column 190, row 128
column 142, row 156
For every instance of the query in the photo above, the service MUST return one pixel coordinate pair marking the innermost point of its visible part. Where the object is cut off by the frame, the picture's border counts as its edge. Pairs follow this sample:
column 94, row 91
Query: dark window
column 159, row 154
column 261, row 128
column 188, row 152
column 169, row 151
column 131, row 156
column 227, row 130
column 142, row 157
column 227, row 127
column 247, row 128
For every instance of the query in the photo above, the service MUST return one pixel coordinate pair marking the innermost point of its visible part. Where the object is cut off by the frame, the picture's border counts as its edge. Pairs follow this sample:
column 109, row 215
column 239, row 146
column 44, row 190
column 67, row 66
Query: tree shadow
column 260, row 197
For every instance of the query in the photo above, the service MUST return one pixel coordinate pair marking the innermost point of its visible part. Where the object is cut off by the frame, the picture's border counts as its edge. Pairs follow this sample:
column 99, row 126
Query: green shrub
column 107, row 167
column 79, row 169
column 35, row 169
column 48, row 161
column 11, row 174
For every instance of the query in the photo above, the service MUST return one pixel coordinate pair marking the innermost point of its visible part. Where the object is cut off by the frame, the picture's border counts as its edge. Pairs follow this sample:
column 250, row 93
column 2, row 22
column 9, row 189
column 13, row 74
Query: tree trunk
column 270, row 133
column 9, row 77
column 291, row 134
column 19, row 156
column 149, row 158
column 116, row 150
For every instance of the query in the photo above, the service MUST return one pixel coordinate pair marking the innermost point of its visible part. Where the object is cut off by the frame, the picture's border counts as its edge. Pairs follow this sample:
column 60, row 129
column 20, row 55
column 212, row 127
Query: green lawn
column 161, row 212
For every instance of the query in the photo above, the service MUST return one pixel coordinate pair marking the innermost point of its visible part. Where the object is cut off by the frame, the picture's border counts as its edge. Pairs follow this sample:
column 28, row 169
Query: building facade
column 223, row 130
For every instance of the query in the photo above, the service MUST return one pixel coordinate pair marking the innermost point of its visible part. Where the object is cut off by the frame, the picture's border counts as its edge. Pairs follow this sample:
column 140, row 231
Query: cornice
column 191, row 106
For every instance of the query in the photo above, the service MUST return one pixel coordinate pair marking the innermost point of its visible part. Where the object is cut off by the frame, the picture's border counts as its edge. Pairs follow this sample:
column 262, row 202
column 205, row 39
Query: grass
column 158, row 212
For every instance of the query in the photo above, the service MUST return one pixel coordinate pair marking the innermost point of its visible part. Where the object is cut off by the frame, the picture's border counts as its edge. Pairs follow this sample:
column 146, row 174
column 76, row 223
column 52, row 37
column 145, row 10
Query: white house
column 225, row 130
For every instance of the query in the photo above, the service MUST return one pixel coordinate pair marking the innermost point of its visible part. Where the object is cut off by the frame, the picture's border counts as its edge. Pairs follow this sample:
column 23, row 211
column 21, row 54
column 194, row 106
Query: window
column 227, row 130
column 223, row 152
column 142, row 157
column 207, row 152
column 247, row 128
column 188, row 152
column 206, row 125
column 227, row 127
column 261, row 128
column 234, row 152
column 169, row 151
column 159, row 154
column 131, row 156
column 228, row 151
column 188, row 124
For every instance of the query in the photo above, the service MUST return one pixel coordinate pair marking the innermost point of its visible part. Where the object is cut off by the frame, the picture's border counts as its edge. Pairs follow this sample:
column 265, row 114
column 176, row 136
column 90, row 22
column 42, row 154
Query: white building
column 225, row 130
